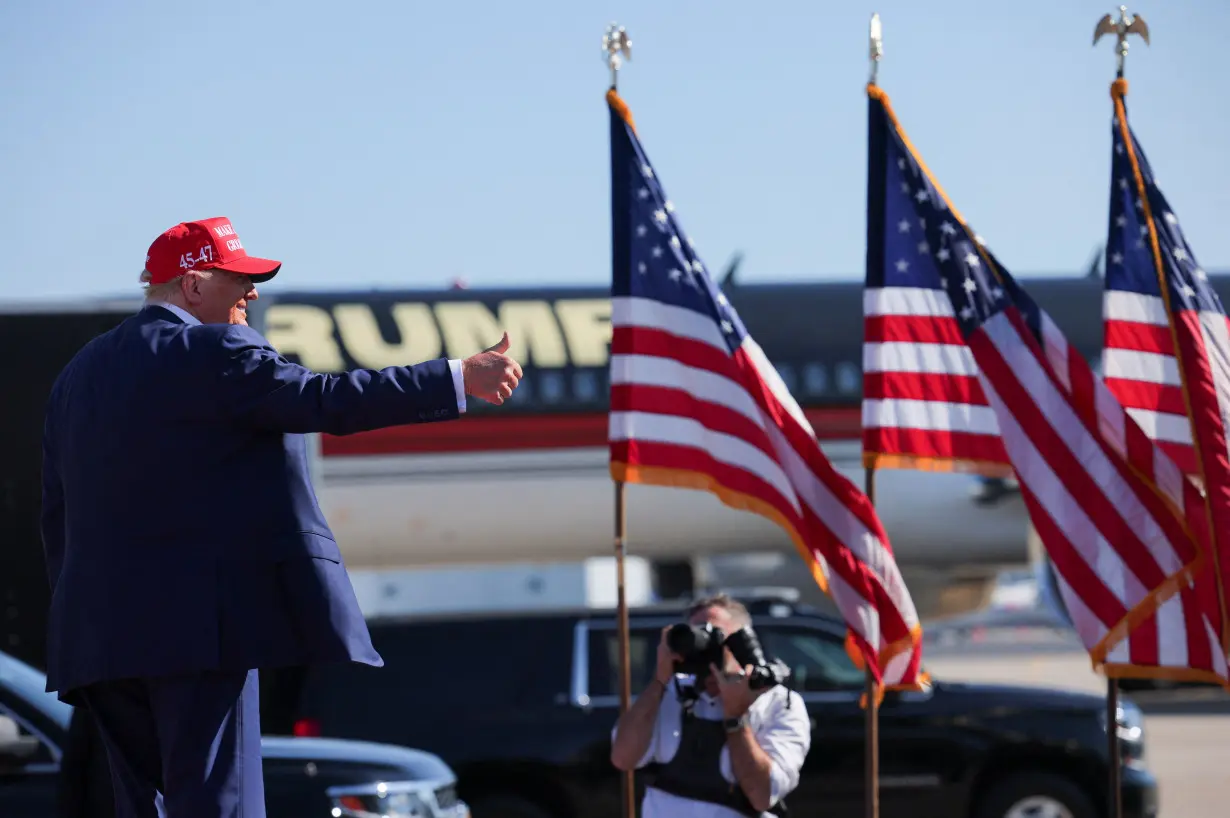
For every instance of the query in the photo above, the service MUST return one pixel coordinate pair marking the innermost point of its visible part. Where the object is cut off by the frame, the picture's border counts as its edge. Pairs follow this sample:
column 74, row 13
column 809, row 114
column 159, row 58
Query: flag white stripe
column 932, row 416
column 1163, row 425
column 934, row 359
column 683, row 431
column 629, row 311
column 1134, row 365
column 669, row 373
column 1135, row 308
column 917, row 301
column 895, row 667
column 1171, row 633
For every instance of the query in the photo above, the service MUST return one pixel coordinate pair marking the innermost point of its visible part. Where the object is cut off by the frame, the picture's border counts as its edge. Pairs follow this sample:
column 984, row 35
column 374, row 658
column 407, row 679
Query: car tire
column 1030, row 794
column 507, row 806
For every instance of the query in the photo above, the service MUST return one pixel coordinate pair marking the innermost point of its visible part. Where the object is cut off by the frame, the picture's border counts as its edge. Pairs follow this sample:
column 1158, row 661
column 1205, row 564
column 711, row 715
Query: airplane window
column 849, row 378
column 551, row 384
column 585, row 386
column 816, row 380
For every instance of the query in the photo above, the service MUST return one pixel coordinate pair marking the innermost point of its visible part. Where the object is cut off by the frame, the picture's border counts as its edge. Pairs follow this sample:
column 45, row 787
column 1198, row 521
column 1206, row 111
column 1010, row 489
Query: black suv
column 304, row 777
column 522, row 707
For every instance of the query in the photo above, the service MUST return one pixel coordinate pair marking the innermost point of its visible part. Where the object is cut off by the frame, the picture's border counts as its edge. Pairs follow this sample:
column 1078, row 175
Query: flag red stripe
column 932, row 444
column 924, row 386
column 1143, row 645
column 662, row 344
column 917, row 329
column 1157, row 397
column 1138, row 337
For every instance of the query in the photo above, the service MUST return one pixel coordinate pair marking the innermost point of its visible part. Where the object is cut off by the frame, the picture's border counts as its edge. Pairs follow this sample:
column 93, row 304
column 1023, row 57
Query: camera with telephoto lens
column 745, row 647
column 698, row 646
column 701, row 646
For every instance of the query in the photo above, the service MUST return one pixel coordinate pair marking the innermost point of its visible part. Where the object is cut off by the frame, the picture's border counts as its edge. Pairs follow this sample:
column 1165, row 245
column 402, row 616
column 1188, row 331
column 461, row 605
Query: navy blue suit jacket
column 179, row 522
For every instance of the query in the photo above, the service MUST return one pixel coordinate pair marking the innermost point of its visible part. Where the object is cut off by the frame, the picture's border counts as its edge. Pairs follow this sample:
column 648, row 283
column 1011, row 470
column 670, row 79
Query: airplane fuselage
column 539, row 463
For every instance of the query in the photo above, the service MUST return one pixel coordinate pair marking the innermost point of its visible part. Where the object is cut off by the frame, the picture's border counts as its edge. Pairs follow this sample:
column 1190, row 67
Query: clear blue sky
column 399, row 143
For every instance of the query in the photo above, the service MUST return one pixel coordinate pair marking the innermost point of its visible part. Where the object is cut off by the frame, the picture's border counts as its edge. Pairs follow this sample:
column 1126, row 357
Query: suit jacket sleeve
column 261, row 388
column 51, row 521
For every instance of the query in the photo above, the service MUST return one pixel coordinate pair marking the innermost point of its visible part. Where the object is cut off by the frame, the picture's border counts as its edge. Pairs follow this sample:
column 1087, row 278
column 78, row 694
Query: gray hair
column 167, row 289
column 736, row 609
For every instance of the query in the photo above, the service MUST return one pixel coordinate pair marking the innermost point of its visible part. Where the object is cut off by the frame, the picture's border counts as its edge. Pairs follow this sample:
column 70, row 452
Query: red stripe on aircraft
column 492, row 433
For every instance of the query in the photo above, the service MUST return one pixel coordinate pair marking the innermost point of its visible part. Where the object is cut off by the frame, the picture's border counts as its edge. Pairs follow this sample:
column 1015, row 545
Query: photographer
column 731, row 745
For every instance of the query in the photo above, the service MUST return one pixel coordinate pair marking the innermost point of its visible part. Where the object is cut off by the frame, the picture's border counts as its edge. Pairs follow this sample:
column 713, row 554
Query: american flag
column 923, row 405
column 695, row 404
column 1146, row 251
column 1138, row 359
column 1113, row 512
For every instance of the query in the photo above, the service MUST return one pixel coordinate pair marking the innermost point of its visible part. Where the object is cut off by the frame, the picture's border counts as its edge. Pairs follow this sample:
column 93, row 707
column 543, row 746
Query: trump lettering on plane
column 542, row 334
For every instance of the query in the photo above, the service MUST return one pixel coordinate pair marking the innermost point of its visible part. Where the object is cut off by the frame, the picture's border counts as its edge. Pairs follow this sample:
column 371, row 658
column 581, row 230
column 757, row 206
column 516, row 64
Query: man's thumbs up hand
column 502, row 346
column 491, row 375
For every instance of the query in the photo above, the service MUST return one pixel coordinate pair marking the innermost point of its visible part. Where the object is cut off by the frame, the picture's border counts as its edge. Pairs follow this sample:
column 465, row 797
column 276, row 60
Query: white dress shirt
column 784, row 733
column 454, row 365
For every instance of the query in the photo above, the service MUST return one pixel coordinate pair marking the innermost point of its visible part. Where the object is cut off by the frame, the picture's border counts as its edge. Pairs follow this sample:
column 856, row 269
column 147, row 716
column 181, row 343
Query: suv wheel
column 1035, row 795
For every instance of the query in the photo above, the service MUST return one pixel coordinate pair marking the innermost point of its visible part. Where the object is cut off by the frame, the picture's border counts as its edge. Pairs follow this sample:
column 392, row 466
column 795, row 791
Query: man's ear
column 190, row 288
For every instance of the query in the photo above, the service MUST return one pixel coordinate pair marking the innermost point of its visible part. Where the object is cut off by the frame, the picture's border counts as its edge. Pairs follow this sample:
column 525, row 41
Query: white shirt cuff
column 459, row 384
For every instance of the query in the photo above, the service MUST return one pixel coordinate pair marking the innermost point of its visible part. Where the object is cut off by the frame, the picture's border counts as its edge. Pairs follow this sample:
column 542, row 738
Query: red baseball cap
column 208, row 244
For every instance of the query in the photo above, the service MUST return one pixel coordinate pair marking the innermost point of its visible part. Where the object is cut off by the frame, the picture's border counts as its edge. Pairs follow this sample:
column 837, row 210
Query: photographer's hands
column 734, row 687
column 748, row 760
column 666, row 661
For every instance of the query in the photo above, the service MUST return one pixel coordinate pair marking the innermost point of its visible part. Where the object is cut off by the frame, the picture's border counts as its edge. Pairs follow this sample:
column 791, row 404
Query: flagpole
column 628, row 789
column 614, row 42
column 871, row 711
column 1121, row 28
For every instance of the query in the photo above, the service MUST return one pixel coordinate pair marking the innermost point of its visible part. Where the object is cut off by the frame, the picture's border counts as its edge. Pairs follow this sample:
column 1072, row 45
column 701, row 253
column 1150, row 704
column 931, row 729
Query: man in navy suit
column 185, row 546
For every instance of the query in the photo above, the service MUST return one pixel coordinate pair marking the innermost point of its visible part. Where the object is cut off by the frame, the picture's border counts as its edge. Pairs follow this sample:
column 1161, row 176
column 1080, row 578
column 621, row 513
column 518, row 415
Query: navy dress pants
column 182, row 746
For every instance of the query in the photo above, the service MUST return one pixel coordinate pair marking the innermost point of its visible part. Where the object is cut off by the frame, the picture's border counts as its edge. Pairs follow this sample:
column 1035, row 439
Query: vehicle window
column 817, row 660
column 604, row 660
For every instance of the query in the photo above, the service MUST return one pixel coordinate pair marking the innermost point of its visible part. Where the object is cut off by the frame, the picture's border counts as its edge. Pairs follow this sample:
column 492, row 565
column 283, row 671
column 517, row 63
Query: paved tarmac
column 1187, row 730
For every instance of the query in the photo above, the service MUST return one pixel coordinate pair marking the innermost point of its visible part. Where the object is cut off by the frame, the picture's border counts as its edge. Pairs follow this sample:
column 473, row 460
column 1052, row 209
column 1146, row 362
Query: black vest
column 695, row 772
